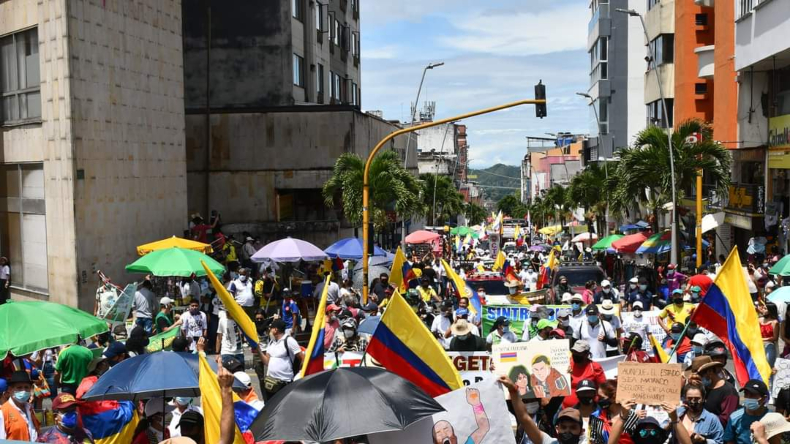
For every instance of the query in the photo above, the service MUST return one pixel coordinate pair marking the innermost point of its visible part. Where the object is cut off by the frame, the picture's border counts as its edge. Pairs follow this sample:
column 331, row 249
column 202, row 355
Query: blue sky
column 494, row 52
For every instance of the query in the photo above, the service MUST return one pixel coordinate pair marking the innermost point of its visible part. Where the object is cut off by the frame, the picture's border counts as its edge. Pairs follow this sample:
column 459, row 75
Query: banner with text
column 473, row 366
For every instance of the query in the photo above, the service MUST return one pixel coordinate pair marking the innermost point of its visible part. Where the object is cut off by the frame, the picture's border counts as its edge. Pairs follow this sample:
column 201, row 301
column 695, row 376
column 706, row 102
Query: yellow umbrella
column 171, row 242
column 551, row 230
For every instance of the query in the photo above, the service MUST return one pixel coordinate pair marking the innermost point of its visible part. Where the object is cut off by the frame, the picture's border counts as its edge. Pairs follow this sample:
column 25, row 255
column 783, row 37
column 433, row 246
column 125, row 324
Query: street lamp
column 408, row 140
column 674, row 254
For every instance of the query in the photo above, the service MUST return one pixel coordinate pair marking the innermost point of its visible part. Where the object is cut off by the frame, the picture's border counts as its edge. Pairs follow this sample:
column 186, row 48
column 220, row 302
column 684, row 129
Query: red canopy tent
column 630, row 243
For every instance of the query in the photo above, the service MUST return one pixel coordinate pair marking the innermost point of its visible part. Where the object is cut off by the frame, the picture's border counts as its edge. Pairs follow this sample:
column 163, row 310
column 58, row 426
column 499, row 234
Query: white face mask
column 633, row 285
column 532, row 407
column 637, row 313
column 348, row 333
column 607, row 290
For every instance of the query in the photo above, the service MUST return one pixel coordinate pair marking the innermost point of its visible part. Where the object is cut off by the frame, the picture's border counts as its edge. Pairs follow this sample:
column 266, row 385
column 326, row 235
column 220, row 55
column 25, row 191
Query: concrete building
column 694, row 39
column 272, row 93
column 660, row 24
column 617, row 47
column 443, row 150
column 555, row 166
column 762, row 60
column 91, row 139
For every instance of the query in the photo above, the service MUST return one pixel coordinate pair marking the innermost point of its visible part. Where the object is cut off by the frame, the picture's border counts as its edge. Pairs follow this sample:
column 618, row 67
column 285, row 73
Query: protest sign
column 539, row 369
column 472, row 366
column 476, row 414
column 518, row 315
column 650, row 384
column 119, row 311
column 647, row 324
column 609, row 365
column 782, row 376
column 347, row 359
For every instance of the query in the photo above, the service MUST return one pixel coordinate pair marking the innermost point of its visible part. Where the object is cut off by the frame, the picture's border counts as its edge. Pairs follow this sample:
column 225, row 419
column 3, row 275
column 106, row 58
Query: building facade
column 92, row 140
column 660, row 75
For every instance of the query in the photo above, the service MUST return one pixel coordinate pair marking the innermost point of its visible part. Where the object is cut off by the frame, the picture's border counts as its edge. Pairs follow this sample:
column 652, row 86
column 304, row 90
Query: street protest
column 468, row 346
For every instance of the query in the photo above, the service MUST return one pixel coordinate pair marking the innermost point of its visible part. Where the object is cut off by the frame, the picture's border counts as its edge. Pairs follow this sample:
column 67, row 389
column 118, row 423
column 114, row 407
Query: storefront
column 777, row 206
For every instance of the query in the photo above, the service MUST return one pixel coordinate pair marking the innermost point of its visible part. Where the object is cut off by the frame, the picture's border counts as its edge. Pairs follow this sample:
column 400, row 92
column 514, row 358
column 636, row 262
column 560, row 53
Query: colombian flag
column 509, row 272
column 110, row 422
column 396, row 272
column 233, row 307
column 211, row 401
column 314, row 355
column 728, row 312
column 476, row 305
column 404, row 346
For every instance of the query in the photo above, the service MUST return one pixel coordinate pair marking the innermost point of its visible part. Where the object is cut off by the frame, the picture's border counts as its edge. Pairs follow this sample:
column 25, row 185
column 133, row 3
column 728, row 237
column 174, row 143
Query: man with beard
column 444, row 433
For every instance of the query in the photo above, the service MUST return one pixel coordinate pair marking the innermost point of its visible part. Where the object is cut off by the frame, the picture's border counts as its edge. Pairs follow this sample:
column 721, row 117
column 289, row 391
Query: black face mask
column 695, row 406
column 568, row 438
column 586, row 401
column 579, row 359
column 604, row 403
column 678, row 301
column 658, row 439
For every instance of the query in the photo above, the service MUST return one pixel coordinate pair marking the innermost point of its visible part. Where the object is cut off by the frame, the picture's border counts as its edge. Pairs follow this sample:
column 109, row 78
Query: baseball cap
column 63, row 401
column 563, row 313
column 755, row 387
column 637, row 304
column 634, row 280
column 644, row 422
column 370, row 306
column 279, row 324
column 559, row 332
column 677, row 327
column 165, row 301
column 591, row 310
column 696, row 289
column 677, row 291
column 715, row 348
column 566, row 297
column 332, row 307
column 569, row 413
column 581, row 346
column 606, row 283
column 700, row 339
column 244, row 378
column 462, row 312
column 543, row 323
column 191, row 417
column 501, row 321
column 115, row 349
column 586, row 385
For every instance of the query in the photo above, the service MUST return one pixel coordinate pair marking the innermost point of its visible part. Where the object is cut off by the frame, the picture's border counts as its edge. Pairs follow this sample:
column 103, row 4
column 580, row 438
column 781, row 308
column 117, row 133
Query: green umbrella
column 175, row 262
column 464, row 231
column 606, row 242
column 26, row 327
column 782, row 268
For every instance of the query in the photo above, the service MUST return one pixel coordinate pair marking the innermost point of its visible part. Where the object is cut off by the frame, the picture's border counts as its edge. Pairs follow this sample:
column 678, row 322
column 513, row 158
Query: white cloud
column 383, row 52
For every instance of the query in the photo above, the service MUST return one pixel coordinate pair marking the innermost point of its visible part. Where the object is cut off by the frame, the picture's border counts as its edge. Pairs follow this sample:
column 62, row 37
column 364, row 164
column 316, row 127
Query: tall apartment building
column 272, row 95
column 616, row 47
column 660, row 24
column 92, row 159
column 695, row 29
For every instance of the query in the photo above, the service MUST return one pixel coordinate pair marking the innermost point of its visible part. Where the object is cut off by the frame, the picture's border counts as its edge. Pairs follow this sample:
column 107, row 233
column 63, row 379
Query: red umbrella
column 630, row 243
column 421, row 237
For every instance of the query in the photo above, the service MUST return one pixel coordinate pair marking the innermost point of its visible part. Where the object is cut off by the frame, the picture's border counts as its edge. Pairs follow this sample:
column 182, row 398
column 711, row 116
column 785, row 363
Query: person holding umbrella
column 68, row 429
column 17, row 419
column 152, row 430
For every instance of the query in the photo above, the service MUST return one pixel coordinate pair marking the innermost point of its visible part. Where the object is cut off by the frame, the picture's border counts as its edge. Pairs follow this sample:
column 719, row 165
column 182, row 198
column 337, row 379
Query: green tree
column 590, row 190
column 558, row 201
column 644, row 169
column 510, row 205
column 440, row 195
column 475, row 214
column 391, row 187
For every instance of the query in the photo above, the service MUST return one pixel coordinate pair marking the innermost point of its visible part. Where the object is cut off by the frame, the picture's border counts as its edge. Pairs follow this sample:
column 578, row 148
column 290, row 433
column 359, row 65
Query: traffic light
column 540, row 94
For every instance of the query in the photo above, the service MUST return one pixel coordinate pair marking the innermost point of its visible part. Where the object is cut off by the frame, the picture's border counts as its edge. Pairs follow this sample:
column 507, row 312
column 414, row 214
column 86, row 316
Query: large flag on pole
column 396, row 273
column 211, row 401
column 500, row 261
column 463, row 290
column 244, row 322
column 728, row 312
column 314, row 355
column 403, row 345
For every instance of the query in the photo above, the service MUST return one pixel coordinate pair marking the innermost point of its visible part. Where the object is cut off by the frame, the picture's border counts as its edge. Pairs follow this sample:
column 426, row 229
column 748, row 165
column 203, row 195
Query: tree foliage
column 440, row 195
column 510, row 205
column 475, row 214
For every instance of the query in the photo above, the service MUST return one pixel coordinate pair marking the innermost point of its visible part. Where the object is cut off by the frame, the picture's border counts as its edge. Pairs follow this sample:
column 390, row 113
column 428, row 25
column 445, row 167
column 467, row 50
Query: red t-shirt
column 703, row 281
column 580, row 372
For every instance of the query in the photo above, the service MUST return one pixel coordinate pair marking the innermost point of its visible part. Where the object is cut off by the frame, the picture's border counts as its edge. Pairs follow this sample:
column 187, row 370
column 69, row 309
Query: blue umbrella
column 350, row 248
column 160, row 374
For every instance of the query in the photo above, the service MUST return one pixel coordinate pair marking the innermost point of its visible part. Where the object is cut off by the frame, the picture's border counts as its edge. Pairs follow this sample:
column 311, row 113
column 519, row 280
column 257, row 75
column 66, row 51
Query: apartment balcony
column 600, row 25
column 667, row 74
column 705, row 61
column 705, row 3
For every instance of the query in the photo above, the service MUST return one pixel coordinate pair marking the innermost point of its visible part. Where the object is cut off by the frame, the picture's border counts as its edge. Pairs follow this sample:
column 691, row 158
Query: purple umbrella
column 536, row 248
column 289, row 250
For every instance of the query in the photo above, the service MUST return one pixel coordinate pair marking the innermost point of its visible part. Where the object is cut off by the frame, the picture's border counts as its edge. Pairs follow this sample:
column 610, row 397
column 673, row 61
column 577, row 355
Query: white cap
column 157, row 405
column 566, row 297
column 637, row 304
column 634, row 280
column 577, row 297
column 243, row 378
column 700, row 339
column 165, row 301
column 606, row 283
column 686, row 297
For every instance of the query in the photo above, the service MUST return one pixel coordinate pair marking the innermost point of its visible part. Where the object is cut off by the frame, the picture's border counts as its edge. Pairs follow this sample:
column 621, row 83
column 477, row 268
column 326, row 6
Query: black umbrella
column 342, row 403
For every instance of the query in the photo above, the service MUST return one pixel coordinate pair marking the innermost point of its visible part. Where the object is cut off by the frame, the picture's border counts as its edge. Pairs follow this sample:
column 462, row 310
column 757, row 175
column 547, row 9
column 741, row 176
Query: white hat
column 588, row 249
column 637, row 304
column 700, row 339
column 249, row 239
column 157, row 405
column 244, row 378
column 634, row 280
column 686, row 297
column 577, row 297
column 775, row 423
column 165, row 301
column 566, row 297
column 606, row 283
column 607, row 307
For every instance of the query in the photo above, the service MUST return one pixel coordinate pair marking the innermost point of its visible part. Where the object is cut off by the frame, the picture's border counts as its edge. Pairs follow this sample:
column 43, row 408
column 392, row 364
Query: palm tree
column 391, row 187
column 510, row 205
column 644, row 170
column 558, row 200
column 475, row 214
column 447, row 201
column 588, row 190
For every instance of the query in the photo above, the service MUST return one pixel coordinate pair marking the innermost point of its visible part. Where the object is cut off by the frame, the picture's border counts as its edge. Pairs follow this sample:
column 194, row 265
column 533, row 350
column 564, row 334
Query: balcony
column 705, row 61
column 600, row 25
column 705, row 3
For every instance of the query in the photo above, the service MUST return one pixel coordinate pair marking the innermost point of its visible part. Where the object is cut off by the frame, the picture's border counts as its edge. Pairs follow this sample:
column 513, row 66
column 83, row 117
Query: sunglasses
column 644, row 433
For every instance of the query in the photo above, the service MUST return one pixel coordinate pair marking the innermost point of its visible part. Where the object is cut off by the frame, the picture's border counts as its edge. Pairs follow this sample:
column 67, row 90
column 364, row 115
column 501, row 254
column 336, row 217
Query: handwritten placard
column 650, row 384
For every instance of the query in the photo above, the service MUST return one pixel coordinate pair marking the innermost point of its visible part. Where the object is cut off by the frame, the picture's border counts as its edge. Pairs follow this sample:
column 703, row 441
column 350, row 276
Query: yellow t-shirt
column 677, row 314
column 426, row 294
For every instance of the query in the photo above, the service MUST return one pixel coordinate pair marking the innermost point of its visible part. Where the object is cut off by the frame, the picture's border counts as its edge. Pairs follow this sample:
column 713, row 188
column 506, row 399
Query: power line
column 499, row 175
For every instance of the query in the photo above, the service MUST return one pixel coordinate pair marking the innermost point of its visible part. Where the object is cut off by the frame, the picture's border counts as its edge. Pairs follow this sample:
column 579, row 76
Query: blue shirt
column 737, row 429
column 645, row 298
column 290, row 311
column 707, row 425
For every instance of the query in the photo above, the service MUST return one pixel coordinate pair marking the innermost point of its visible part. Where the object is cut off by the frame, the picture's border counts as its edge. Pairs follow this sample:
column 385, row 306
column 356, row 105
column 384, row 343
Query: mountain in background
column 499, row 175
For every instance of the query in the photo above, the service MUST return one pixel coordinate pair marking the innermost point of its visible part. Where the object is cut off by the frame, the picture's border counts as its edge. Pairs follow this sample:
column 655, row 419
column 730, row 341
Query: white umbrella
column 289, row 250
column 585, row 237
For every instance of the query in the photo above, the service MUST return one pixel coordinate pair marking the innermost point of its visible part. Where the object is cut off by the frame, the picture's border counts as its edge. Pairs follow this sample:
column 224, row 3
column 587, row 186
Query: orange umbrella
column 171, row 242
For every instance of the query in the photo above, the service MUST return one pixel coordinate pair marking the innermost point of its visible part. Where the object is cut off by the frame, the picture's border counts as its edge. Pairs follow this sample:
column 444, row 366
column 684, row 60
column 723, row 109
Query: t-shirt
column 144, row 303
column 737, row 428
column 427, row 294
column 722, row 401
column 290, row 311
column 193, row 325
column 703, row 281
column 231, row 337
column 55, row 436
column 677, row 314
column 73, row 364
column 281, row 360
column 242, row 292
column 5, row 272
column 590, row 334
column 440, row 325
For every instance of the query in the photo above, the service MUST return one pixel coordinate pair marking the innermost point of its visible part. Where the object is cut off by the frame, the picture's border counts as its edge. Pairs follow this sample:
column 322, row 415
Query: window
column 701, row 19
column 652, row 3
column 354, row 43
column 319, row 79
column 663, row 47
column 357, row 47
column 700, row 88
column 336, row 35
column 354, row 94
column 23, row 230
column 599, row 55
column 746, row 7
column 20, row 88
column 319, row 16
column 297, row 7
column 335, row 79
column 655, row 113
column 298, row 70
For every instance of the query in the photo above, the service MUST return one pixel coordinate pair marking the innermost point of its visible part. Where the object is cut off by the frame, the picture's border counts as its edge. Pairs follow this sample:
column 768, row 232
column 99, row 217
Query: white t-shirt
column 242, row 292
column 231, row 337
column 193, row 325
column 280, row 363
column 5, row 272
column 590, row 334
column 440, row 325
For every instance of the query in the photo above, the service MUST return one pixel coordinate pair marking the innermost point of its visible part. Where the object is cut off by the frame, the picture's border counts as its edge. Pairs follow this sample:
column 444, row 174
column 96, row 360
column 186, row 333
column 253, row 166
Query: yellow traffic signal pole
column 366, row 182
column 699, row 218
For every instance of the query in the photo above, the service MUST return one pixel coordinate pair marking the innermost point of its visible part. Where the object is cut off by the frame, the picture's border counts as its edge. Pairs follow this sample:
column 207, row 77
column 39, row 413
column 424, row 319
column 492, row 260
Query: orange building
column 725, row 91
column 694, row 29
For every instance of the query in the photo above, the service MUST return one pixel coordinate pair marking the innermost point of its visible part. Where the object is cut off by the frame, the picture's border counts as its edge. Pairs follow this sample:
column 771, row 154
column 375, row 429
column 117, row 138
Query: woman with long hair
column 769, row 329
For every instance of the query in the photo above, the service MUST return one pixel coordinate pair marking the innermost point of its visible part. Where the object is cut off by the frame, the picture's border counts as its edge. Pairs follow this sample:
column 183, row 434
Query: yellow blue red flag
column 314, row 355
column 211, row 402
column 233, row 307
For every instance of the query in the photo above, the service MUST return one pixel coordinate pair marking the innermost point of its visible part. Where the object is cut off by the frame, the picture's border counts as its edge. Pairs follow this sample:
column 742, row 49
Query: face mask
column 607, row 318
column 694, row 295
column 751, row 404
column 604, row 403
column 670, row 273
column 678, row 301
column 22, row 396
column 348, row 333
column 643, row 287
column 675, row 336
column 243, row 278
column 565, row 322
column 576, row 306
column 579, row 359
column 68, row 420
column 194, row 311
column 695, row 405
column 482, row 294
column 532, row 408
column 607, row 290
column 506, row 330
column 586, row 401
column 332, row 318
column 183, row 401
column 592, row 319
column 633, row 285
column 697, row 350
column 637, row 313
column 567, row 438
